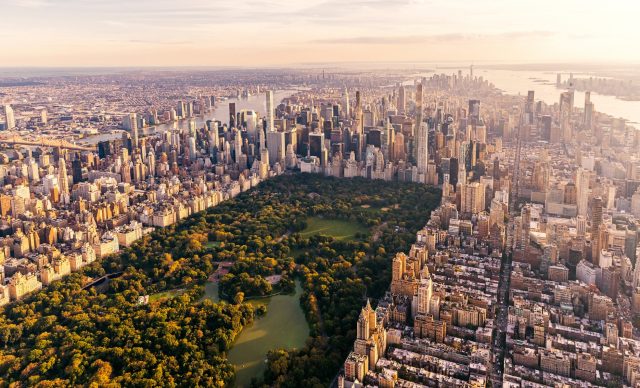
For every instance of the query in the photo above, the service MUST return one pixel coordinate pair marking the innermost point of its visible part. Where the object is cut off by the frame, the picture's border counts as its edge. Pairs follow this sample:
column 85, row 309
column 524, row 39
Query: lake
column 284, row 326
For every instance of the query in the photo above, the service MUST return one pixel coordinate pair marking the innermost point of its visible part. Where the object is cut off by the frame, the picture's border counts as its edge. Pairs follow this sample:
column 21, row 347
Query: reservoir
column 284, row 326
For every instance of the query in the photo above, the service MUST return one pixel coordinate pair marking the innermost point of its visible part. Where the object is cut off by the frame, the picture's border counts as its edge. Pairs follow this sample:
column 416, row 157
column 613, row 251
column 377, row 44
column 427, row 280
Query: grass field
column 338, row 229
column 164, row 295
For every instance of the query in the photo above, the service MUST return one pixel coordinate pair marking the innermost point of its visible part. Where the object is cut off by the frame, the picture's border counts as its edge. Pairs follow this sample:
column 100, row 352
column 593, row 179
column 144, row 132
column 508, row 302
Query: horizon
column 98, row 33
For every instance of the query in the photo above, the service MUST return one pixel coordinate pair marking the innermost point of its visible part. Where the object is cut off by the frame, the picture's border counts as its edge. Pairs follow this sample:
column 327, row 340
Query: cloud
column 154, row 42
column 31, row 3
column 417, row 39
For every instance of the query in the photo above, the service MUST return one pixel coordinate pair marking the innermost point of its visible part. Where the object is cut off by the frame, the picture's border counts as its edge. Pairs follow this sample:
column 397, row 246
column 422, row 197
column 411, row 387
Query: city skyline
column 276, row 32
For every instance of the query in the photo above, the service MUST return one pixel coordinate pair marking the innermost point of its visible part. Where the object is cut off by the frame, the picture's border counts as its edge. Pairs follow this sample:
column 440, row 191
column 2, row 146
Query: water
column 284, row 326
column 519, row 82
column 211, row 291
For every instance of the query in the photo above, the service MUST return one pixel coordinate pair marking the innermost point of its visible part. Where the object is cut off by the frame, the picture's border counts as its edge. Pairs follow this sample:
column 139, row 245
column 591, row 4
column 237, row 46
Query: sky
column 254, row 33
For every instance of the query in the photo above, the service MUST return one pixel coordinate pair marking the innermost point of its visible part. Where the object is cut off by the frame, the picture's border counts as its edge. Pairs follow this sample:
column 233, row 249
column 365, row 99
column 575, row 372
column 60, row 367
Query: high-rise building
column 63, row 178
column 347, row 107
column 596, row 215
column 276, row 147
column 566, row 107
column 270, row 108
column 472, row 198
column 422, row 148
column 130, row 123
column 402, row 100
column 316, row 144
column 582, row 190
column 10, row 117
column 232, row 114
column 588, row 111
column 474, row 111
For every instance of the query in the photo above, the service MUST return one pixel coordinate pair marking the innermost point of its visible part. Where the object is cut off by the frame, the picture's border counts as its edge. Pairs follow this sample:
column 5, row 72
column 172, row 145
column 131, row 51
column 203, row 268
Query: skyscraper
column 422, row 148
column 130, row 123
column 270, row 125
column 596, row 215
column 419, row 99
column 588, row 110
column 566, row 106
column 347, row 107
column 9, row 117
column 529, row 106
column 474, row 111
column 582, row 190
column 63, row 178
column 276, row 146
column 402, row 100
column 232, row 114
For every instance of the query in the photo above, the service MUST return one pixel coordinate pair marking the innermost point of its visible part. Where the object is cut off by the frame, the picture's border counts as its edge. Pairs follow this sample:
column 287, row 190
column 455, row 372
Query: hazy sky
column 279, row 32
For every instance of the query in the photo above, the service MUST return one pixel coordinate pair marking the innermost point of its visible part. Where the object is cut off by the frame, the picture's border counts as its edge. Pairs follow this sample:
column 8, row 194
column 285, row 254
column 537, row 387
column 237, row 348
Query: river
column 521, row 81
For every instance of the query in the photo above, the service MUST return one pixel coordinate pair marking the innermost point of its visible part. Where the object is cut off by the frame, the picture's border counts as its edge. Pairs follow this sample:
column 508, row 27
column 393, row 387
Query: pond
column 284, row 326
column 211, row 291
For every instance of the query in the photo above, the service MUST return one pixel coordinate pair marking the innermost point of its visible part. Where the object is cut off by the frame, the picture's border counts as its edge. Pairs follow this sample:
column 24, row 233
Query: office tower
column 474, row 111
column 43, row 117
column 237, row 146
column 151, row 162
column 359, row 111
column 270, row 109
column 63, row 179
column 419, row 102
column 181, row 109
column 566, row 107
column 588, row 111
column 276, row 147
column 76, row 170
column 10, row 117
column 582, row 190
column 558, row 80
column 232, row 114
column 130, row 123
column 471, row 72
column 402, row 100
column 596, row 215
column 347, row 107
column 529, row 107
column 316, row 144
column 422, row 148
column 104, row 149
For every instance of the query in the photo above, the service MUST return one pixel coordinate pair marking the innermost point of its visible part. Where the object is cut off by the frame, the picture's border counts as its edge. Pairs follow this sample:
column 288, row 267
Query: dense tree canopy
column 64, row 335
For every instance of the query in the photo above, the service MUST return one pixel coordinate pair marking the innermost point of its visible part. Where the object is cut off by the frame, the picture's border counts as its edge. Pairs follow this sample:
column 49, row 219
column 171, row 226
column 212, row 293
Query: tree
column 239, row 297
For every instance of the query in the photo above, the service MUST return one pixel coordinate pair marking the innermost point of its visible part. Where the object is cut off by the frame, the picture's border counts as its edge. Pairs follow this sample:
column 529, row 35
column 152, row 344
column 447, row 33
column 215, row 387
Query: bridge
column 41, row 141
column 99, row 281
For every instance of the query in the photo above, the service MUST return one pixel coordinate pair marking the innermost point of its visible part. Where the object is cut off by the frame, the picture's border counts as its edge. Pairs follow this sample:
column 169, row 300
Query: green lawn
column 338, row 229
column 164, row 295
column 212, row 244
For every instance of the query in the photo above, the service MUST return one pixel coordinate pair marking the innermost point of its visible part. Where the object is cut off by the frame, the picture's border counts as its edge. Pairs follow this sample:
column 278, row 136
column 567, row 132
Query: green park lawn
column 336, row 228
column 164, row 295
